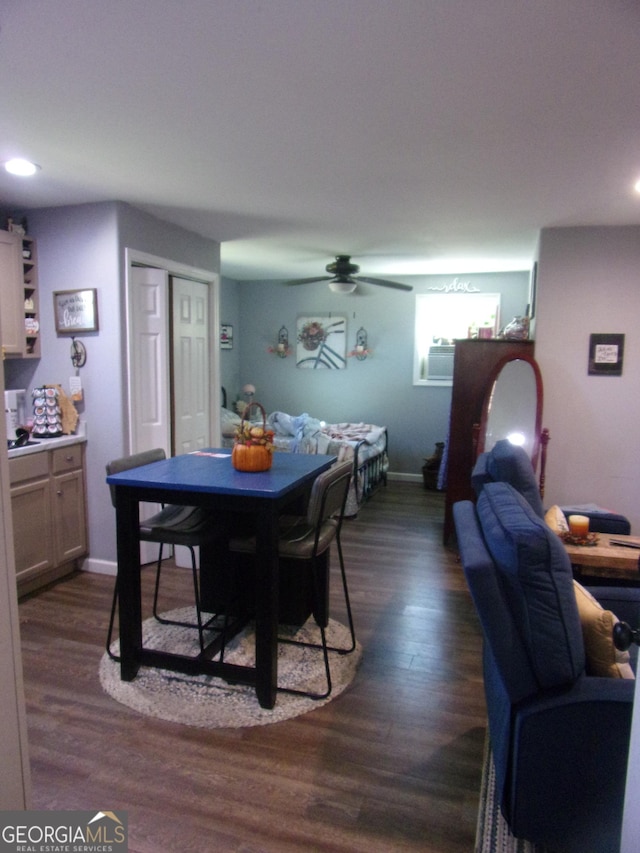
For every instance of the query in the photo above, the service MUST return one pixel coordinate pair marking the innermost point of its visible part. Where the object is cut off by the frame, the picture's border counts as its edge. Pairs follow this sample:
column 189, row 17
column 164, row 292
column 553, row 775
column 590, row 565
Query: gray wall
column 588, row 283
column 379, row 390
column 80, row 247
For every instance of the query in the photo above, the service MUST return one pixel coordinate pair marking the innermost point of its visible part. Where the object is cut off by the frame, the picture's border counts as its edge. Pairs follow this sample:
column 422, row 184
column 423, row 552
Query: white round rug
column 208, row 702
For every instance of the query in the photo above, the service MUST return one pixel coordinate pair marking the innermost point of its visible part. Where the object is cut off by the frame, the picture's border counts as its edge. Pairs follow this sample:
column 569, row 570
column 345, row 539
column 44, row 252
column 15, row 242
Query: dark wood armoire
column 475, row 364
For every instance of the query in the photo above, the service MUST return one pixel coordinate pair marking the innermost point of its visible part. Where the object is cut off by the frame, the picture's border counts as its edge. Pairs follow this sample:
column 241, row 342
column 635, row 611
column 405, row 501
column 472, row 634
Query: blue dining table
column 207, row 478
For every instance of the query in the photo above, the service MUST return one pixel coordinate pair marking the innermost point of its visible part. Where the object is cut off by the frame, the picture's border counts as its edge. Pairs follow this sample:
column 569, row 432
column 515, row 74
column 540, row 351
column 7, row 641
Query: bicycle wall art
column 321, row 342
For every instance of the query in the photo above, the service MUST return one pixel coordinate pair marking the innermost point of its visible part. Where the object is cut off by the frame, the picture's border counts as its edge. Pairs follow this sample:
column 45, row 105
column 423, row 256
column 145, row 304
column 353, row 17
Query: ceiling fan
column 343, row 278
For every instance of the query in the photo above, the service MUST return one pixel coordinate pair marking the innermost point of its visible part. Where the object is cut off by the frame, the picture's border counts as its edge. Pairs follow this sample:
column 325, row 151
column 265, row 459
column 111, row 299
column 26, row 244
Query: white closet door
column 190, row 322
column 149, row 411
column 150, row 414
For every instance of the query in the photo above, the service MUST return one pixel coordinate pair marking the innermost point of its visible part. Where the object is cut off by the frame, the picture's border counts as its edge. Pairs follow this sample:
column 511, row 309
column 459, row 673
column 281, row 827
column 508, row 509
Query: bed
column 365, row 444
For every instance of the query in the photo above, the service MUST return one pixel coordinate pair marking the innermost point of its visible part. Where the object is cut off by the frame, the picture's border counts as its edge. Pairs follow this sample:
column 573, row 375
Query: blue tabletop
column 211, row 471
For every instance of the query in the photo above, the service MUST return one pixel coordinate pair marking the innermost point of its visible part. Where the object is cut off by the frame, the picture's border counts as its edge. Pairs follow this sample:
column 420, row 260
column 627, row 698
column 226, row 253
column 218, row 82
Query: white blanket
column 354, row 432
column 303, row 428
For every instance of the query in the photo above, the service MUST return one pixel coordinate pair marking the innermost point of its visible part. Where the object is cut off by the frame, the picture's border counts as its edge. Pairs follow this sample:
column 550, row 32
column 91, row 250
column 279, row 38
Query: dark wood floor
column 391, row 764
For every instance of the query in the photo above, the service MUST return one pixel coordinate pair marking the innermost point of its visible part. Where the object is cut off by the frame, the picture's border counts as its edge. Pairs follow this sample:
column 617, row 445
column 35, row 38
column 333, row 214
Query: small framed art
column 75, row 311
column 606, row 354
column 226, row 336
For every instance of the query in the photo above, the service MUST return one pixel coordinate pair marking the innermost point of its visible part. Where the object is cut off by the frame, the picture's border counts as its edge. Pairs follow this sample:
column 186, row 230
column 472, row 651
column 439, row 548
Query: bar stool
column 306, row 539
column 173, row 525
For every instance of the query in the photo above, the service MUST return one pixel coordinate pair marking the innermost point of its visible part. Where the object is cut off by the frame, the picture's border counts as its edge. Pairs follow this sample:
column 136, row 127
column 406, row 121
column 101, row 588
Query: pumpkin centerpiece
column 253, row 445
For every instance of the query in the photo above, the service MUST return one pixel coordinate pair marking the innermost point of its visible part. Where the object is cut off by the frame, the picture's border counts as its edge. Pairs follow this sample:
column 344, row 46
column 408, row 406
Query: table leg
column 129, row 596
column 267, row 568
column 215, row 580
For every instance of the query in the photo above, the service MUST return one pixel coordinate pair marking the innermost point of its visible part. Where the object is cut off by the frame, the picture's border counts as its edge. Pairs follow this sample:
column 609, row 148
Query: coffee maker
column 15, row 410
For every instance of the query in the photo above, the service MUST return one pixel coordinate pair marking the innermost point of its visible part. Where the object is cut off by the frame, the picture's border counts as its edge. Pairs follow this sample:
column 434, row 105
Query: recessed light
column 636, row 186
column 23, row 168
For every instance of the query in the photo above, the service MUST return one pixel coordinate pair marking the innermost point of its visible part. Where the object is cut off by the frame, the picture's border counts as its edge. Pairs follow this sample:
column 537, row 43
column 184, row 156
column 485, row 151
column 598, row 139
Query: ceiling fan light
column 342, row 286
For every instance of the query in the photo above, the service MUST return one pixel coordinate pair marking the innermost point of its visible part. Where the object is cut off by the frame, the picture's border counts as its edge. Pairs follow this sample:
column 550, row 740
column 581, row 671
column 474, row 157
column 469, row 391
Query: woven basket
column 253, row 446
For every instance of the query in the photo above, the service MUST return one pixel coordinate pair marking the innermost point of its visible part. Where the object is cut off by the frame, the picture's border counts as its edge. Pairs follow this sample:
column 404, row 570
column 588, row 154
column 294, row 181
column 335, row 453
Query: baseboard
column 100, row 567
column 398, row 477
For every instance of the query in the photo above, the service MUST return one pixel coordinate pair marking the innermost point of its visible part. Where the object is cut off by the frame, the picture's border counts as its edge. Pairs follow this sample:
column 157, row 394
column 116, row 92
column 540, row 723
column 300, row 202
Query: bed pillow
column 602, row 657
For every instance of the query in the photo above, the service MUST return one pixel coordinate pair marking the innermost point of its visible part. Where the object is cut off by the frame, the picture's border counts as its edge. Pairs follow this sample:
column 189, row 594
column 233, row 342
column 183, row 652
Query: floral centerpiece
column 253, row 444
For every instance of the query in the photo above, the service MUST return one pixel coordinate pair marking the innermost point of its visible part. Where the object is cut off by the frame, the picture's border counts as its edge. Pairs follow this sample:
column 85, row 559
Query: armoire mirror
column 512, row 407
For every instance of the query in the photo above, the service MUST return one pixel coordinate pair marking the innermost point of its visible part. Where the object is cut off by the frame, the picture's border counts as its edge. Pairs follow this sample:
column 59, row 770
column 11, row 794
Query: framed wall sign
column 605, row 355
column 75, row 311
column 226, row 336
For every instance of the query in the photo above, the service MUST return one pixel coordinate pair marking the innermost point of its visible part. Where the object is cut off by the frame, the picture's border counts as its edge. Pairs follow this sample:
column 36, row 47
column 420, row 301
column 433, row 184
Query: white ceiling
column 416, row 135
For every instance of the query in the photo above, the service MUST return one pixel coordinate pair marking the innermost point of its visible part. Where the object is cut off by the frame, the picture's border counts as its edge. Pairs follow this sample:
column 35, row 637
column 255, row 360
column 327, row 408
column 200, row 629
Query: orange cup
column 578, row 525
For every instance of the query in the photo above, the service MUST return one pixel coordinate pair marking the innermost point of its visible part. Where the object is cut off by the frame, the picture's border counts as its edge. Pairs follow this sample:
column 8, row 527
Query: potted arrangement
column 253, row 444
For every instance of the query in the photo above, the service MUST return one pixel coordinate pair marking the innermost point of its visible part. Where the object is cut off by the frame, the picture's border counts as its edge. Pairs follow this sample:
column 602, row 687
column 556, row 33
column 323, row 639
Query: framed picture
column 606, row 354
column 226, row 336
column 321, row 342
column 75, row 311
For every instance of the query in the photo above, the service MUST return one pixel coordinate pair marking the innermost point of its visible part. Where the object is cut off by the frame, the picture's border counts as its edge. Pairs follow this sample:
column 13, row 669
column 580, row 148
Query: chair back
column 136, row 460
column 508, row 463
column 329, row 494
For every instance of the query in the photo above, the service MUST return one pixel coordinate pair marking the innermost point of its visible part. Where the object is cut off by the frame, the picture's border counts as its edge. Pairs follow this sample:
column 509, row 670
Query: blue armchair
column 559, row 735
column 508, row 463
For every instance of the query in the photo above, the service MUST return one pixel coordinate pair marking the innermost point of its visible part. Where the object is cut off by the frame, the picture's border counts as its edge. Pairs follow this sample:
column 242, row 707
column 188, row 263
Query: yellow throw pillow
column 603, row 658
column 556, row 520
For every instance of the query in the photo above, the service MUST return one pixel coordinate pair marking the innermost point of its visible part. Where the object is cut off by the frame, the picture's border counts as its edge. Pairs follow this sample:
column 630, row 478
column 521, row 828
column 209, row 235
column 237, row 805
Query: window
column 441, row 318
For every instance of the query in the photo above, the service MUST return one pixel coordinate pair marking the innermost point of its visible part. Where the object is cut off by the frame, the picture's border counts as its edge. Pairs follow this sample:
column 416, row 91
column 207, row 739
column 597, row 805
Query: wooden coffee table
column 607, row 559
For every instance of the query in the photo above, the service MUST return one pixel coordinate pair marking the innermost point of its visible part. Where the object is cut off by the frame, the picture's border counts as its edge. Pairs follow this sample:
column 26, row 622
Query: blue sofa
column 559, row 734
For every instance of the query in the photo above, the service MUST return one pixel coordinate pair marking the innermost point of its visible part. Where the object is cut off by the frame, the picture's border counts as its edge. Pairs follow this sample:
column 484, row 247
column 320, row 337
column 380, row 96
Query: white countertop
column 48, row 444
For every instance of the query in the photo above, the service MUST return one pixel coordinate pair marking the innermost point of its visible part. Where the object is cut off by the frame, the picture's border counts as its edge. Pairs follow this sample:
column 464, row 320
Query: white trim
column 133, row 257
column 398, row 477
column 100, row 567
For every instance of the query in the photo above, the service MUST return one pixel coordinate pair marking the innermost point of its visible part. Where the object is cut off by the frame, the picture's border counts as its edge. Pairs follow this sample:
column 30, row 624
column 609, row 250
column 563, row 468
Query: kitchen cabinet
column 11, row 296
column 31, row 510
column 31, row 298
column 48, row 504
column 68, row 504
column 19, row 307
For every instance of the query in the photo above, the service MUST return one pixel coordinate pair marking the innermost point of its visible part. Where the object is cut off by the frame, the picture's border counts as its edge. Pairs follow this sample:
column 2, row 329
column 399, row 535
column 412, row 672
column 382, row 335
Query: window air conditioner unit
column 440, row 362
